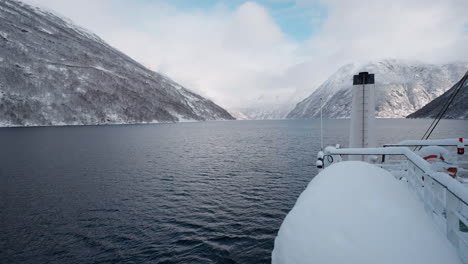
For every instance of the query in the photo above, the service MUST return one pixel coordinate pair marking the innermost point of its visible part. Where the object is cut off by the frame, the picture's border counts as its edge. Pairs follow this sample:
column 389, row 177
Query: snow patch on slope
column 458, row 108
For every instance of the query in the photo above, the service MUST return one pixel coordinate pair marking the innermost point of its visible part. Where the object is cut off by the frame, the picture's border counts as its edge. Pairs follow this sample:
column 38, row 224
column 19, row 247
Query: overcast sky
column 241, row 53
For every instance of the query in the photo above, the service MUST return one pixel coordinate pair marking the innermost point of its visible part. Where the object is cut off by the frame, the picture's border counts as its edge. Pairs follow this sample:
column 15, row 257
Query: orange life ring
column 452, row 171
column 434, row 157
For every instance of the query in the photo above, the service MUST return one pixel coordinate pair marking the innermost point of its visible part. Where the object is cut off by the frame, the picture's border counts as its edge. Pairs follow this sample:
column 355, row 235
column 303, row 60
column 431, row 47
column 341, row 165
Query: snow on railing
column 444, row 199
column 446, row 209
column 429, row 142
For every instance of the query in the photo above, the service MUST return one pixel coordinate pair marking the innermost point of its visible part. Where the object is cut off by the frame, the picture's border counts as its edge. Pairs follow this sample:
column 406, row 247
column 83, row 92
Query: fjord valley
column 54, row 72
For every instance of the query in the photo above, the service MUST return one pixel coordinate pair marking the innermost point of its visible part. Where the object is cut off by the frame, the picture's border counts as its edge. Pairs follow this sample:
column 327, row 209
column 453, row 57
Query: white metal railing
column 445, row 199
column 430, row 142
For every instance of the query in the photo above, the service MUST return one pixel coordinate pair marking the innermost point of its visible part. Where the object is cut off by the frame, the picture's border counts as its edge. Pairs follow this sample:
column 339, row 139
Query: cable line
column 458, row 87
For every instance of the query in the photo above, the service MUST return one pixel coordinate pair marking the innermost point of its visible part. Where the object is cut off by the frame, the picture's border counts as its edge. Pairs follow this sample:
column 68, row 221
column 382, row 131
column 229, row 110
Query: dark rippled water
column 210, row 192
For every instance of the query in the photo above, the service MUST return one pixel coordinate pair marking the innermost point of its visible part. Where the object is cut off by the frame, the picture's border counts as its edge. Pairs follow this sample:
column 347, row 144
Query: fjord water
column 208, row 192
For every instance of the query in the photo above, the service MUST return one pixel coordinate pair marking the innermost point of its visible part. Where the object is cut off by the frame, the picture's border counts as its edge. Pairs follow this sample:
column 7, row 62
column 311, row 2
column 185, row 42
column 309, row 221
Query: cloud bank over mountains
column 243, row 54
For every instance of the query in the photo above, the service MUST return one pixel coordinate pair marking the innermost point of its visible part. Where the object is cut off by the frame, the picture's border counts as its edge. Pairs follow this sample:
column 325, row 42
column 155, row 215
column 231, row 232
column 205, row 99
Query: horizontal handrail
column 430, row 142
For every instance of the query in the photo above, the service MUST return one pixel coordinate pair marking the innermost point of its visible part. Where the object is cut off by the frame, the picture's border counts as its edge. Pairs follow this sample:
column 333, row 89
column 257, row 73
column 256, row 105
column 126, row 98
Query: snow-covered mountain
column 53, row 72
column 458, row 109
column 265, row 112
column 239, row 115
column 402, row 87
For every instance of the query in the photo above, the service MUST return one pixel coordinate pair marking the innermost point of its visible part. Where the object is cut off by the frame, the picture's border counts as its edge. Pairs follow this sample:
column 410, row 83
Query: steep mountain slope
column 53, row 72
column 402, row 87
column 458, row 109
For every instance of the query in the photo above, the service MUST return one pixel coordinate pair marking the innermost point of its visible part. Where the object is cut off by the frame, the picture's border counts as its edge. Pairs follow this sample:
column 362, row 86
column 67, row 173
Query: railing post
column 453, row 223
column 428, row 197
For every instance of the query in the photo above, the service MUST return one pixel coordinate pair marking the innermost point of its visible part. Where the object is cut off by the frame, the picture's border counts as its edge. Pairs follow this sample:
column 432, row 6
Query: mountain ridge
column 403, row 86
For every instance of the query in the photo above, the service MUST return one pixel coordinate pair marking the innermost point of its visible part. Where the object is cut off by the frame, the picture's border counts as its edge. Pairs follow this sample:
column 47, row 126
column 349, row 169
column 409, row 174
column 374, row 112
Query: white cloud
column 237, row 56
column 425, row 30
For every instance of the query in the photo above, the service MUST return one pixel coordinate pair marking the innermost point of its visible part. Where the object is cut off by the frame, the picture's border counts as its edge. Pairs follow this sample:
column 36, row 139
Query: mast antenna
column 321, row 123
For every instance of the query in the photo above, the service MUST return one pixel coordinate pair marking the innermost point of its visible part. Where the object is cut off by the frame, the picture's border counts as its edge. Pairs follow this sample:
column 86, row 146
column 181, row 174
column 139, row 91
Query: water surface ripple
column 209, row 192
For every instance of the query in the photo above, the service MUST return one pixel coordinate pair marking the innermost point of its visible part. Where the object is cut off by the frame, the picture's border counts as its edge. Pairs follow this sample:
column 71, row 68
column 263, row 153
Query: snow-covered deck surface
column 355, row 212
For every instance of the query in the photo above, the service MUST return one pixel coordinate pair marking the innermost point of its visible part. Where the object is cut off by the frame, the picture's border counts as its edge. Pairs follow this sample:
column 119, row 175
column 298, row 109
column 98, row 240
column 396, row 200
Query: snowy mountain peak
column 402, row 87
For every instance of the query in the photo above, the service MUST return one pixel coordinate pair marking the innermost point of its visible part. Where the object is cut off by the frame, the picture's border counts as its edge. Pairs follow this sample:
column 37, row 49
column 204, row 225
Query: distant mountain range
column 402, row 87
column 458, row 109
column 263, row 112
column 54, row 73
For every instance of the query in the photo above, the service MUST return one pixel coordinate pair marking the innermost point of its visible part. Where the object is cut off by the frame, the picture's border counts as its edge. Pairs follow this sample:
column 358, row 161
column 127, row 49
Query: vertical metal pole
column 363, row 115
column 321, row 124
